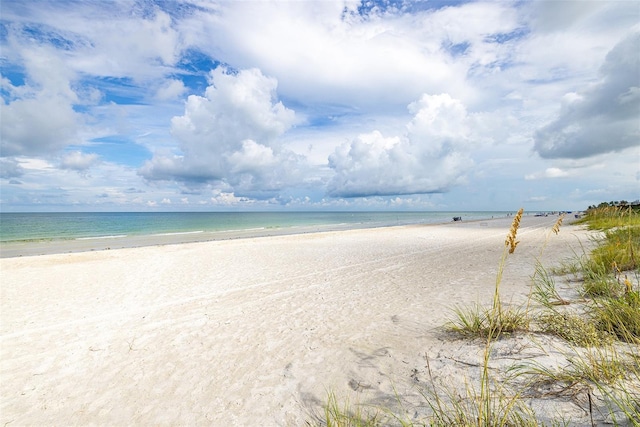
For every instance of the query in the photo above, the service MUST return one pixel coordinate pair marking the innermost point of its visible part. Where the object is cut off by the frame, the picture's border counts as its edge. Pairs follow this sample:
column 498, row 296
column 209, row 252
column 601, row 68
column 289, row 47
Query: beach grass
column 572, row 328
column 344, row 414
column 607, row 376
column 495, row 321
column 479, row 321
column 494, row 404
column 619, row 245
column 619, row 316
column 612, row 305
column 601, row 331
column 544, row 290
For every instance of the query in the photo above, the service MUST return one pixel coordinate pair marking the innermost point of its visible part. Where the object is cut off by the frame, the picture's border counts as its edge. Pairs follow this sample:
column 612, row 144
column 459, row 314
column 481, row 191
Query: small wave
column 241, row 229
column 117, row 236
column 178, row 233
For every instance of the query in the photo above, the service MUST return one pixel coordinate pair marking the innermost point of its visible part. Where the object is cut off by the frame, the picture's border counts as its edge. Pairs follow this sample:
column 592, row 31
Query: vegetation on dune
column 599, row 323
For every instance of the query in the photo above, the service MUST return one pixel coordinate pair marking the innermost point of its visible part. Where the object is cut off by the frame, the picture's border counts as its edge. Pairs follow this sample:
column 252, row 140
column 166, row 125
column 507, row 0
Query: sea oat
column 627, row 285
column 556, row 227
column 511, row 237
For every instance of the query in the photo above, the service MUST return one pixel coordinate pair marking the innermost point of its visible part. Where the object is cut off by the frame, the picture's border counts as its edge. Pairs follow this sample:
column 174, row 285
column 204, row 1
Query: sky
column 203, row 105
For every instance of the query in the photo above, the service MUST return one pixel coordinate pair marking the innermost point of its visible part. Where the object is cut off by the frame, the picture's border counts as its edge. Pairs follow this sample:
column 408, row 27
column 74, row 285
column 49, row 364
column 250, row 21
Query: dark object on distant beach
column 457, row 218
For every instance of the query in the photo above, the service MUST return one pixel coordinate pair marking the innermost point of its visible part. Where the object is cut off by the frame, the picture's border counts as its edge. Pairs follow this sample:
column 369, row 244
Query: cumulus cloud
column 78, row 161
column 230, row 135
column 603, row 117
column 429, row 158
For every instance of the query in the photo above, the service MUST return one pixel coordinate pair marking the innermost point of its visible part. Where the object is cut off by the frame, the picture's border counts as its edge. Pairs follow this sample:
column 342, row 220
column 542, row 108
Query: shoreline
column 102, row 243
column 252, row 331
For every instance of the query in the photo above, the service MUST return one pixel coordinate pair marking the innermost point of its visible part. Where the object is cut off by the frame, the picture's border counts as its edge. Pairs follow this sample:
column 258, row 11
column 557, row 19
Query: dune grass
column 572, row 328
column 494, row 404
column 479, row 321
column 619, row 317
column 344, row 414
column 601, row 331
column 619, row 246
column 493, row 322
column 544, row 290
column 602, row 373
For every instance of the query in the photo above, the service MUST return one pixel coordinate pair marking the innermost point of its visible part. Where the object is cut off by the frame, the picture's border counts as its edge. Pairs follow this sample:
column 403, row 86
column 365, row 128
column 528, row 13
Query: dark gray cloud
column 605, row 116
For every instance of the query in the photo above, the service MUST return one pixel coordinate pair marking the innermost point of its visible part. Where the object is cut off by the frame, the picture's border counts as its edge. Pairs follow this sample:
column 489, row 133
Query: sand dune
column 249, row 331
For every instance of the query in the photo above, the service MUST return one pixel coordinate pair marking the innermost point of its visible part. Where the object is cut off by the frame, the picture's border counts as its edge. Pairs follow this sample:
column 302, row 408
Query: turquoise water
column 33, row 227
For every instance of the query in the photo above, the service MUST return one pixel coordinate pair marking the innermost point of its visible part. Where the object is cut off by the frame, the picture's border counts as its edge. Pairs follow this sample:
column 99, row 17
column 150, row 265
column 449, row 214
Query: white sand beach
column 251, row 331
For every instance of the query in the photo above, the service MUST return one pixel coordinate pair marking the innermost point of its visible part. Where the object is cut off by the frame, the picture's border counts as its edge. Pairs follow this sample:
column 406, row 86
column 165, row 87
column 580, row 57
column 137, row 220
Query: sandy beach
column 252, row 331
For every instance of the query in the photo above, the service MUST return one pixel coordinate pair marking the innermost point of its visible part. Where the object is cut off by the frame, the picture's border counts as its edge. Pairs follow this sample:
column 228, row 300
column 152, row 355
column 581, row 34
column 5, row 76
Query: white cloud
column 48, row 72
column 230, row 135
column 519, row 76
column 36, row 164
column 602, row 117
column 38, row 118
column 548, row 173
column 221, row 198
column 365, row 63
column 568, row 41
column 430, row 157
column 252, row 157
column 62, row 49
column 170, row 89
column 555, row 173
column 116, row 39
column 78, row 161
column 599, row 17
column 37, row 126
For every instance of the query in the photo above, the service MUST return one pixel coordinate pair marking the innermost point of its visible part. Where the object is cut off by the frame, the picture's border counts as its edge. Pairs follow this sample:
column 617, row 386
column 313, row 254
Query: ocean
column 41, row 227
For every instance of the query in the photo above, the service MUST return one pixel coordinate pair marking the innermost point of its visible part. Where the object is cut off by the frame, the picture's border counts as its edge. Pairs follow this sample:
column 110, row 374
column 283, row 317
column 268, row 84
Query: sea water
column 38, row 227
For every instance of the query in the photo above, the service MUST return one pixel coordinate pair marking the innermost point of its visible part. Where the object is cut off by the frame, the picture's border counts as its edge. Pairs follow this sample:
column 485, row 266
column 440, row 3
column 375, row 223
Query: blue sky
column 318, row 105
